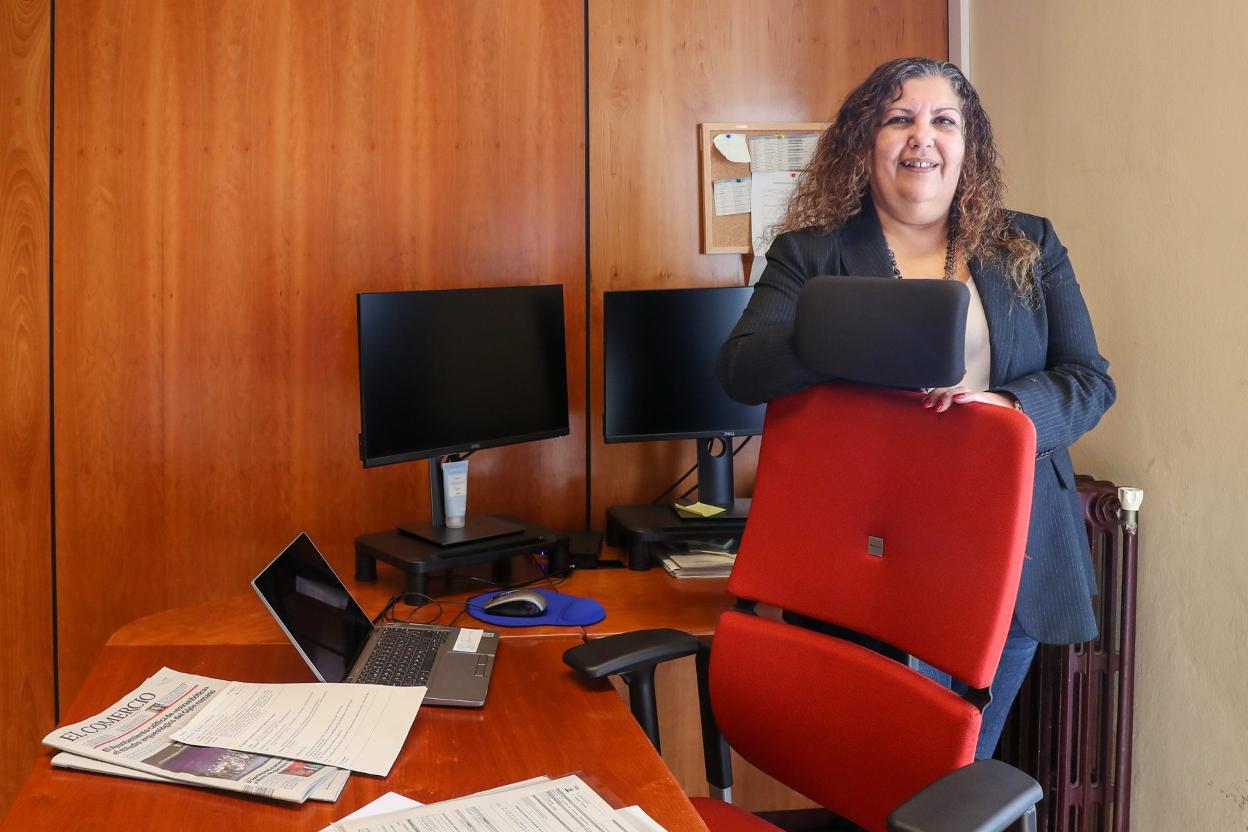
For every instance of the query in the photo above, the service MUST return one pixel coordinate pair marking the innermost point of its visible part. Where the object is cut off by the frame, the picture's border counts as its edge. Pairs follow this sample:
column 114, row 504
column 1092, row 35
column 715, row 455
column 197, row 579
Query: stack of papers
column 287, row 742
column 541, row 803
column 699, row 558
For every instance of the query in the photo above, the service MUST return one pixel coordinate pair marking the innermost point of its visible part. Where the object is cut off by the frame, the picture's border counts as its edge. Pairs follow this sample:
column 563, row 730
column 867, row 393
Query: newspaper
column 328, row 792
column 135, row 733
column 566, row 804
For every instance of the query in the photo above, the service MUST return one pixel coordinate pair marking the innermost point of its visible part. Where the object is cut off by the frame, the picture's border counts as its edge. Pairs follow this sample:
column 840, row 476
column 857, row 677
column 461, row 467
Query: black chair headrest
column 891, row 333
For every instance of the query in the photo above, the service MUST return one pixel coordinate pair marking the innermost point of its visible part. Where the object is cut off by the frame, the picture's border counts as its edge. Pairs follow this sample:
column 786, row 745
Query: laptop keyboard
column 402, row 657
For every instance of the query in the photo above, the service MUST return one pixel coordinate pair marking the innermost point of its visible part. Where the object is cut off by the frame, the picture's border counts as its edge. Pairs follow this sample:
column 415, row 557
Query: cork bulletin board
column 731, row 234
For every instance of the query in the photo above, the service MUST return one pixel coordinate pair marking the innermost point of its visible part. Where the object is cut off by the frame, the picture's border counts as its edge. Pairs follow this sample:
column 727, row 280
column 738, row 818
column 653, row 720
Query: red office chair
column 875, row 516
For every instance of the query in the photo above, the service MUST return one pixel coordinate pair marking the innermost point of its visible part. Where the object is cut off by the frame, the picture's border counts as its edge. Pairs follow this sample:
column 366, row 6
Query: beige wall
column 1126, row 121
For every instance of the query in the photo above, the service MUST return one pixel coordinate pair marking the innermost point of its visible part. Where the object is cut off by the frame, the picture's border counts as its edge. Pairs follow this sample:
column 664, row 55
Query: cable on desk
column 387, row 613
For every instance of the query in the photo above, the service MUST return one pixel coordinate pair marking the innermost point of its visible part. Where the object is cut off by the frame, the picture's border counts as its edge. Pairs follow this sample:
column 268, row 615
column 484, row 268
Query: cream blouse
column 978, row 355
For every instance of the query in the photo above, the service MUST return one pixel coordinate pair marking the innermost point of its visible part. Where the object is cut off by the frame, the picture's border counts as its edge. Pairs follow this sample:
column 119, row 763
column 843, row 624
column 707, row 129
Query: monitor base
column 637, row 528
column 476, row 527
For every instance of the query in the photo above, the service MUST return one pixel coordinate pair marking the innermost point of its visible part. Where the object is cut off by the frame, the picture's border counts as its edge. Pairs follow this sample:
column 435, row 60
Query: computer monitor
column 447, row 372
column 660, row 348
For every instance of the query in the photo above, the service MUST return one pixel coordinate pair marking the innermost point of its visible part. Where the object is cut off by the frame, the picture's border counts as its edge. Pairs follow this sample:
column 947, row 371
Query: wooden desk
column 539, row 719
column 633, row 601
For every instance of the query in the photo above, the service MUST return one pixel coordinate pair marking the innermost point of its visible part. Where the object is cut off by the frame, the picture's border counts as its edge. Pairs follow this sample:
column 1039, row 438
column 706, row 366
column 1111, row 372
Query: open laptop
column 340, row 643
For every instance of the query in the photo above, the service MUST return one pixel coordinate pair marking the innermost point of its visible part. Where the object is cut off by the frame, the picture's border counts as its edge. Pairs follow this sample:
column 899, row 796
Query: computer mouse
column 523, row 603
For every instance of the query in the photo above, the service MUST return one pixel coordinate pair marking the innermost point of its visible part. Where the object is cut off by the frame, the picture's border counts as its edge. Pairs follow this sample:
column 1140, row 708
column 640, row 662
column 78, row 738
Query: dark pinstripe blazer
column 1046, row 357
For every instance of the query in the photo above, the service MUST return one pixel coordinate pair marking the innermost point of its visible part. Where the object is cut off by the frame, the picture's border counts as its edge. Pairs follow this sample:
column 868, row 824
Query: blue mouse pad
column 561, row 610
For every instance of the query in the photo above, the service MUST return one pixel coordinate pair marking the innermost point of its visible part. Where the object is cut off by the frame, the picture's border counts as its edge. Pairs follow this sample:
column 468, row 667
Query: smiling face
column 917, row 157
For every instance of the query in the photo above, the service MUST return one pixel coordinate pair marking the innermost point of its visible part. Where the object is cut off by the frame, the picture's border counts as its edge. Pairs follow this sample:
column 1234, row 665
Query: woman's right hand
column 942, row 398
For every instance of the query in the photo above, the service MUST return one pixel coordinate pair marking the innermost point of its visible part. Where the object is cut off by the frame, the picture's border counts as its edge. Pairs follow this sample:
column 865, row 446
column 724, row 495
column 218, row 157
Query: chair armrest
column 629, row 652
column 986, row 796
column 633, row 657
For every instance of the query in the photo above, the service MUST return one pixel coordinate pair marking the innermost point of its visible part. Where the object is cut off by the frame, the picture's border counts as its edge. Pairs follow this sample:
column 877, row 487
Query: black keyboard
column 402, row 657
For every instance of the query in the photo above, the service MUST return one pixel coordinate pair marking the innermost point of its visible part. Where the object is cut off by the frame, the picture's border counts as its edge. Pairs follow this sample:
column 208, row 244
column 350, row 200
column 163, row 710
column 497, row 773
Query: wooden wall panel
column 658, row 68
column 26, row 694
column 25, row 497
column 228, row 176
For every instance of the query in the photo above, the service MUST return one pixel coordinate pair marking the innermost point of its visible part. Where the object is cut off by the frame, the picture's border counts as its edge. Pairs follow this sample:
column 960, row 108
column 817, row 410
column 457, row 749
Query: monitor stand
column 637, row 528
column 418, row 559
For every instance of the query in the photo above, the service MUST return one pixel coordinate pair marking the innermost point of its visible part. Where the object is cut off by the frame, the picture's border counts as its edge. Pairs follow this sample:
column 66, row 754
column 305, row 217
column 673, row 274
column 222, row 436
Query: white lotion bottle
column 455, row 492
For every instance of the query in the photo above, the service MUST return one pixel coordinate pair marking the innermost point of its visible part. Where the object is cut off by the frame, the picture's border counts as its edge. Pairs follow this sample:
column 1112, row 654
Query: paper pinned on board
column 769, row 200
column 732, row 196
column 757, row 268
column 732, row 146
column 777, row 153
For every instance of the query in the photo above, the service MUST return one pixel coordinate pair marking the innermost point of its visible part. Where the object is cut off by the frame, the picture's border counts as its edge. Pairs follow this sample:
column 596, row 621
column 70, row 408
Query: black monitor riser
column 638, row 528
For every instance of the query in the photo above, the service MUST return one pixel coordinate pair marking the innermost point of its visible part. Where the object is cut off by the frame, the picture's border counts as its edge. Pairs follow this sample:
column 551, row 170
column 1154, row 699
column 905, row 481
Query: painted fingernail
column 927, row 402
column 959, row 396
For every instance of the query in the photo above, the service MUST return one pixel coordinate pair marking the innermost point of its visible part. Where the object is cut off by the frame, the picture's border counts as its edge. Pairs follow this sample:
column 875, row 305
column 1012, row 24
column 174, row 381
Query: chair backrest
column 874, row 514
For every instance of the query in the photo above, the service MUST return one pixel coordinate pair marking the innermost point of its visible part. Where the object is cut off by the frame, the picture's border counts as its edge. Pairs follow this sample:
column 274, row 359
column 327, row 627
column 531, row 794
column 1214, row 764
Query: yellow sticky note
column 698, row 509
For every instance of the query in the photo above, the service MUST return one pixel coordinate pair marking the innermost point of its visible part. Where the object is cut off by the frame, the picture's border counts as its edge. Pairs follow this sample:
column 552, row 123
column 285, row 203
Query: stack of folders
column 540, row 803
column 699, row 558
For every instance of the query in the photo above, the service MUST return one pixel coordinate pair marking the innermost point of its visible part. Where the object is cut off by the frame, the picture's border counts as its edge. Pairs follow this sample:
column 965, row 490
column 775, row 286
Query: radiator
column 1070, row 727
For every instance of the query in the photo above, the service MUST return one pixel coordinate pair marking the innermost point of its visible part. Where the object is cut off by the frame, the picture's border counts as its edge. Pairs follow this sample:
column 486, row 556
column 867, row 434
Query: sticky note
column 698, row 509
column 467, row 640
column 732, row 196
column 733, row 146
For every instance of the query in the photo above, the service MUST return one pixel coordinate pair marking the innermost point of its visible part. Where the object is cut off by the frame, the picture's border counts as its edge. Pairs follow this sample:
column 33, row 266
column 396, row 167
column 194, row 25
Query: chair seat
column 724, row 817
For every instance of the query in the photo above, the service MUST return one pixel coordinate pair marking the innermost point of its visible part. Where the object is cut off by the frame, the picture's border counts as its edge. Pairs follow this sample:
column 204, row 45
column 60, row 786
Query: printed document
column 776, row 153
column 566, row 803
column 393, row 802
column 732, row 196
column 769, row 200
column 386, row 804
column 357, row 727
column 136, row 732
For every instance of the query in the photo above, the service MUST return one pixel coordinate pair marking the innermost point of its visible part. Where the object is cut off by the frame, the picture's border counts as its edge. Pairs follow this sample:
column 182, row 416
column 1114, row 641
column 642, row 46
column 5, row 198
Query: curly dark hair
column 837, row 179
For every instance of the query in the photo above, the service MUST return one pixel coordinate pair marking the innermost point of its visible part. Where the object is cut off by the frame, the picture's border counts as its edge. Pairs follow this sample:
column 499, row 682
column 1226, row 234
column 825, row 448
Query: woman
column 905, row 184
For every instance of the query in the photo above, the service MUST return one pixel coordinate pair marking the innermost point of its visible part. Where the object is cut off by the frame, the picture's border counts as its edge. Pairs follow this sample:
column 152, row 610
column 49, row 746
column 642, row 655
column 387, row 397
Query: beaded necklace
column 949, row 257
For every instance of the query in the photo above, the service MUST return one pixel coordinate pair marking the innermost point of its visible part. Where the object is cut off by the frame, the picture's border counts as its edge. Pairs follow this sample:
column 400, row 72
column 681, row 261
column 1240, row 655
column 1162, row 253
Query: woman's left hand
column 941, row 398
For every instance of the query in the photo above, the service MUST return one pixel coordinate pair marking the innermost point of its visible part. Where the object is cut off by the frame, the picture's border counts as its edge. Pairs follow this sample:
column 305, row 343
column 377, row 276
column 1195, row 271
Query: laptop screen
column 314, row 608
